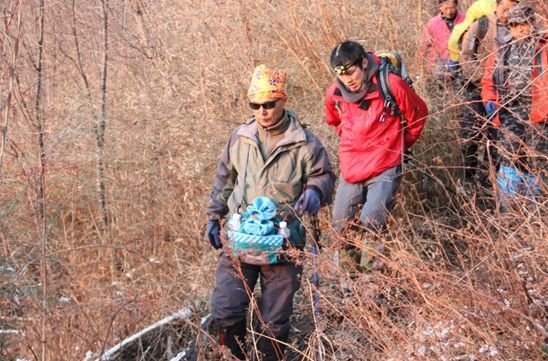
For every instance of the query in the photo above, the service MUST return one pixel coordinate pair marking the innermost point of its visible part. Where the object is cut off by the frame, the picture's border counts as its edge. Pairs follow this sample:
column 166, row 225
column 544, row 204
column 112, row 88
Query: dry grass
column 461, row 282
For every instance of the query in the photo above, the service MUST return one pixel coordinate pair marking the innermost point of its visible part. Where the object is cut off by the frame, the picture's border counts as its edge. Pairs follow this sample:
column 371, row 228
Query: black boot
column 233, row 337
column 269, row 350
column 271, row 346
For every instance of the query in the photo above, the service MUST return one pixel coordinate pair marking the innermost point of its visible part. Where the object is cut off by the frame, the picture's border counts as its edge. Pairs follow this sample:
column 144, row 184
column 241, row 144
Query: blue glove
column 453, row 66
column 308, row 202
column 213, row 233
column 490, row 108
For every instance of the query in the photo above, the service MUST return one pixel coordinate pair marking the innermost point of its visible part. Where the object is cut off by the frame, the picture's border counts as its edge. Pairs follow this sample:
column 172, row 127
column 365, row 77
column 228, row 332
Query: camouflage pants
column 474, row 131
column 523, row 145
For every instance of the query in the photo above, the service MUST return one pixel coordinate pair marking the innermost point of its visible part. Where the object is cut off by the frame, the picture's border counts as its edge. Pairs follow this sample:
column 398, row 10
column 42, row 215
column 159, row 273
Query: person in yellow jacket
column 475, row 11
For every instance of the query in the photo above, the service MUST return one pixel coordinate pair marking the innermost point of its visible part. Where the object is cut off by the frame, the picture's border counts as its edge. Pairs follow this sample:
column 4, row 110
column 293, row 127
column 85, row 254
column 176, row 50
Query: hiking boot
column 233, row 337
column 370, row 260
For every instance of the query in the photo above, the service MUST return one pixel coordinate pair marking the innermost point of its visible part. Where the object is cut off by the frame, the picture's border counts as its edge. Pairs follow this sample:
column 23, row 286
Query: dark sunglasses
column 267, row 105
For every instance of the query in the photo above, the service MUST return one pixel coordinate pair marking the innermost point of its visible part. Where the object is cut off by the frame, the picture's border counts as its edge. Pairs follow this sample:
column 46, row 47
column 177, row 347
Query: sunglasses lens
column 267, row 105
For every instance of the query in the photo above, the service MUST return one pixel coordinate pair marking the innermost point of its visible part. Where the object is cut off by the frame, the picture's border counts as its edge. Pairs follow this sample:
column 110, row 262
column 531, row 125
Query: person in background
column 275, row 158
column 373, row 141
column 475, row 130
column 478, row 9
column 433, row 55
column 514, row 93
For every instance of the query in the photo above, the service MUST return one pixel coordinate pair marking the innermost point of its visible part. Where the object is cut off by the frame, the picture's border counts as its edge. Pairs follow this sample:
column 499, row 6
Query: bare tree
column 13, row 44
column 101, row 124
column 41, row 186
column 99, row 120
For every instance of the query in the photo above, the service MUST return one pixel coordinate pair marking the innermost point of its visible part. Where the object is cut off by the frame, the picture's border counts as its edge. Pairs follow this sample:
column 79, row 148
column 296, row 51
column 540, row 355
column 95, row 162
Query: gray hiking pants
column 235, row 282
column 376, row 194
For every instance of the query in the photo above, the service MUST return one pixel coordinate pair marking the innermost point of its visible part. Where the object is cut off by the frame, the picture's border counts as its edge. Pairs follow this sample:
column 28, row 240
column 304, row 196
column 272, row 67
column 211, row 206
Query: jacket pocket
column 284, row 192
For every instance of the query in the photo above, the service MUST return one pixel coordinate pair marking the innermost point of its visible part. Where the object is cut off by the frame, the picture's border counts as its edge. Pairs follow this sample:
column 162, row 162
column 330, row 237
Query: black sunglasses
column 267, row 105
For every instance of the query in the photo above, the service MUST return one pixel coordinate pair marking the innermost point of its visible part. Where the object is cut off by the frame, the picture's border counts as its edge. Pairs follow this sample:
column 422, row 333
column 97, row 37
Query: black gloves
column 213, row 233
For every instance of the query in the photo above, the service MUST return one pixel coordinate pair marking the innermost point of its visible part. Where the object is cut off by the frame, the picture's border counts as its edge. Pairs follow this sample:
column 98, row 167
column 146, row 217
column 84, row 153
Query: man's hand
column 308, row 202
column 490, row 108
column 453, row 66
column 213, row 233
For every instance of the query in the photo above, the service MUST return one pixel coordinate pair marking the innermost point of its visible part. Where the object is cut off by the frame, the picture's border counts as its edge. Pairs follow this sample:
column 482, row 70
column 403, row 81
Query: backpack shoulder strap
column 481, row 31
column 538, row 58
column 501, row 61
column 483, row 26
column 241, row 179
column 386, row 93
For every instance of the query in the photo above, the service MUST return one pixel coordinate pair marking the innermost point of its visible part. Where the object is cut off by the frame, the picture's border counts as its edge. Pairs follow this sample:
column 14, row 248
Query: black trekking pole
column 319, row 350
column 315, row 274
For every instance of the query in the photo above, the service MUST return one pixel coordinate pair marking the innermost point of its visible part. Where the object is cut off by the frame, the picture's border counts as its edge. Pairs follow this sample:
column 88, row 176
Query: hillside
column 113, row 116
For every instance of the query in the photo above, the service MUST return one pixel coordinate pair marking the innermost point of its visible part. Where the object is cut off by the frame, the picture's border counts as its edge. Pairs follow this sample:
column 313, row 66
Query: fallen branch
column 128, row 342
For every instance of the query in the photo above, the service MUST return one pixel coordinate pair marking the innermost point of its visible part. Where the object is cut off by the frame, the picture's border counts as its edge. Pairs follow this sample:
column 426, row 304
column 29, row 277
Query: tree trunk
column 101, row 124
column 41, row 186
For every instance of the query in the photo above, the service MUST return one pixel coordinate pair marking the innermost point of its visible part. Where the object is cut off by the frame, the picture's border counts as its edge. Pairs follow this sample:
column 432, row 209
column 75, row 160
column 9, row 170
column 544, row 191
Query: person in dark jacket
column 373, row 141
column 274, row 158
column 514, row 93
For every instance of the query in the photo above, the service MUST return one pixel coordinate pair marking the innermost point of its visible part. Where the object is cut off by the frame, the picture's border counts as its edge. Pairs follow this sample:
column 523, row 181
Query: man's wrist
column 317, row 189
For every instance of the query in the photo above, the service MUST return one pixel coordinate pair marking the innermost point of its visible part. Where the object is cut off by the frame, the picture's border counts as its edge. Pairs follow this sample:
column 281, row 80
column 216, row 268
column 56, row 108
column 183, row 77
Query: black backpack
column 391, row 62
column 483, row 26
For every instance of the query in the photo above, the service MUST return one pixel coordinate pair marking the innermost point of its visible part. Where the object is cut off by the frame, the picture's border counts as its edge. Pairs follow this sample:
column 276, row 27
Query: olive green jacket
column 297, row 162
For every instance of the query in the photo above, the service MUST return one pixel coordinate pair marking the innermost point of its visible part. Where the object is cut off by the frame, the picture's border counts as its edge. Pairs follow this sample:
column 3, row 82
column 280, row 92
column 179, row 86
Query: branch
column 112, row 352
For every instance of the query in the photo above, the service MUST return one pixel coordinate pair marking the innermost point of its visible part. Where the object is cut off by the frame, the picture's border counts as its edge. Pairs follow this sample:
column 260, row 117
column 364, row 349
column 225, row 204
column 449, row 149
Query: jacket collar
column 294, row 133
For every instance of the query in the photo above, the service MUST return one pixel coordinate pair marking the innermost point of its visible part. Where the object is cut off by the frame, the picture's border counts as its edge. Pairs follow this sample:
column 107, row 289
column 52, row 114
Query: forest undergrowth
column 113, row 117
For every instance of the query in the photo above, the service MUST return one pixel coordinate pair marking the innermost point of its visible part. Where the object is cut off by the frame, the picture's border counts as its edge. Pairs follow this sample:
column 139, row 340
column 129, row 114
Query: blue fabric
column 257, row 220
column 453, row 66
column 257, row 242
column 530, row 185
column 512, row 182
column 490, row 108
column 261, row 208
column 257, row 227
column 508, row 180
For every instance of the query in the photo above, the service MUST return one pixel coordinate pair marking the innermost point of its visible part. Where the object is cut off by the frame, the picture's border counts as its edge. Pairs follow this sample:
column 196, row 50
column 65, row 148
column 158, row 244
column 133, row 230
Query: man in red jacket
column 372, row 139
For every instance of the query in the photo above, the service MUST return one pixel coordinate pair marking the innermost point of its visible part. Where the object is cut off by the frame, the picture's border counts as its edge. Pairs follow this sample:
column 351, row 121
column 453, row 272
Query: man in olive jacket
column 270, row 155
